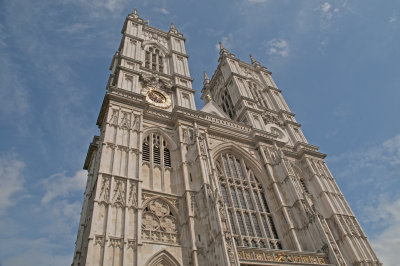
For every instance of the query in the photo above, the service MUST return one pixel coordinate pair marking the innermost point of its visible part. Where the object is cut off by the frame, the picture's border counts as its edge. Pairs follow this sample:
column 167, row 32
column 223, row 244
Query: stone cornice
column 273, row 88
column 292, row 123
column 149, row 28
column 182, row 76
column 133, row 37
column 307, row 149
column 123, row 96
column 178, row 53
column 183, row 88
column 91, row 150
column 131, row 59
column 216, row 125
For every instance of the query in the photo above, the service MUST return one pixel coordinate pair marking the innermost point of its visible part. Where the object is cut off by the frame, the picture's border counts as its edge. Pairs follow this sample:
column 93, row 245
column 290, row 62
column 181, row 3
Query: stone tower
column 235, row 183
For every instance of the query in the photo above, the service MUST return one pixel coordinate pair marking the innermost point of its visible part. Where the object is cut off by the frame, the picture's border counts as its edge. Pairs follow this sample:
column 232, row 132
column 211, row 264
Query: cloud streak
column 53, row 183
column 387, row 242
column 279, row 47
column 54, row 217
column 376, row 172
column 11, row 180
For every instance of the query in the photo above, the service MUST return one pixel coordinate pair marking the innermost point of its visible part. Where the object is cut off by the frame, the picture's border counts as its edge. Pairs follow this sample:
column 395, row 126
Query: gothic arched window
column 156, row 163
column 154, row 59
column 257, row 94
column 249, row 215
column 226, row 103
column 156, row 143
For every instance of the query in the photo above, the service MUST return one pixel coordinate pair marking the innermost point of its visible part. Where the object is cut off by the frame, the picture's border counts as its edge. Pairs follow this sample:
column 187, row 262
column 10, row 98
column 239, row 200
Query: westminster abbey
column 235, row 183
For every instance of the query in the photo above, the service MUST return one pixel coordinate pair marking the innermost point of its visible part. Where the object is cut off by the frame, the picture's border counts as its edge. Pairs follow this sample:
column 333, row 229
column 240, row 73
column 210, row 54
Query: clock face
column 157, row 97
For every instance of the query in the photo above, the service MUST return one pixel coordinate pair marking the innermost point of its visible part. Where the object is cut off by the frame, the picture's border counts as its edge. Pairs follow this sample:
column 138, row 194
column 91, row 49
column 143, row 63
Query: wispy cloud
column 227, row 42
column 279, row 47
column 373, row 176
column 327, row 12
column 11, row 180
column 387, row 242
column 78, row 27
column 26, row 251
column 54, row 217
column 53, row 183
column 14, row 103
column 375, row 156
column 3, row 36
column 393, row 18
column 162, row 10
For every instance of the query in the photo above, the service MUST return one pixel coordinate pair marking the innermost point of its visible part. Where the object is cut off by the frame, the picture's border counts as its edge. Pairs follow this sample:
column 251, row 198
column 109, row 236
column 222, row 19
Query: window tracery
column 251, row 220
column 159, row 222
column 156, row 163
column 156, row 143
column 226, row 103
column 257, row 94
column 154, row 59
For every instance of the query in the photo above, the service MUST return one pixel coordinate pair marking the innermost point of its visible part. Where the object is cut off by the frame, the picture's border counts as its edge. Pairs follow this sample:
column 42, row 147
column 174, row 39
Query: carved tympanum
column 159, row 222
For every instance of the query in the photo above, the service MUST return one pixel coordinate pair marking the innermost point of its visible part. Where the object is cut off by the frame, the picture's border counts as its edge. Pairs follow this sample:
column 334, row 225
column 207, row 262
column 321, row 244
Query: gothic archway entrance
column 163, row 259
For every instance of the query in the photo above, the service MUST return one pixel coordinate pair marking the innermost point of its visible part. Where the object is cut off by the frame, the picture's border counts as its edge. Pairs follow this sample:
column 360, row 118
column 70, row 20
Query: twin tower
column 235, row 183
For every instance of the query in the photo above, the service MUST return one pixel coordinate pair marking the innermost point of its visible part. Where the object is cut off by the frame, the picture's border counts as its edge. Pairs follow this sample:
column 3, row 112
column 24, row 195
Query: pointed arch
column 158, row 160
column 163, row 258
column 172, row 207
column 160, row 221
column 300, row 177
column 245, row 197
column 156, row 44
column 170, row 141
column 236, row 149
column 154, row 56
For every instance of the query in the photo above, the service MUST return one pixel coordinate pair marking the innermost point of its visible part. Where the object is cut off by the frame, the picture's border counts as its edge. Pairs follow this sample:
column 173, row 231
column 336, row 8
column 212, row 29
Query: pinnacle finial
column 221, row 46
column 206, row 78
column 135, row 13
column 253, row 61
column 173, row 29
column 222, row 49
column 252, row 58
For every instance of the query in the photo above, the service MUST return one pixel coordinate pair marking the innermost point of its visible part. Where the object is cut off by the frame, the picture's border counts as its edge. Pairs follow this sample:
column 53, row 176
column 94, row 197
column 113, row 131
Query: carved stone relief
column 99, row 240
column 125, row 120
column 159, row 223
column 105, row 189
column 152, row 36
column 132, row 196
column 114, row 117
column 119, row 193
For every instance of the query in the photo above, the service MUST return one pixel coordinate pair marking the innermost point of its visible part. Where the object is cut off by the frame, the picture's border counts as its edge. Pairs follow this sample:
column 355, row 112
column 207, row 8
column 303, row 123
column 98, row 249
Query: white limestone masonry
column 235, row 183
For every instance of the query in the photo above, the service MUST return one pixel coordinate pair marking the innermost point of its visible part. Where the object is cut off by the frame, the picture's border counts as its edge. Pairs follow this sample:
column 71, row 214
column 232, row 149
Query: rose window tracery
column 159, row 223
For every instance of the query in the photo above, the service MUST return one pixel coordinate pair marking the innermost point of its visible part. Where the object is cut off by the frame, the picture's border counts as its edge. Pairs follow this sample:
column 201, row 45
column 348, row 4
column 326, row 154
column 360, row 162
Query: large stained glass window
column 249, row 215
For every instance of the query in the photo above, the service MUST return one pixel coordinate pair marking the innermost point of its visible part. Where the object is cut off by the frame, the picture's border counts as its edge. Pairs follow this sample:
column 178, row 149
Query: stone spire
column 257, row 64
column 135, row 13
column 172, row 29
column 222, row 49
column 206, row 79
column 253, row 61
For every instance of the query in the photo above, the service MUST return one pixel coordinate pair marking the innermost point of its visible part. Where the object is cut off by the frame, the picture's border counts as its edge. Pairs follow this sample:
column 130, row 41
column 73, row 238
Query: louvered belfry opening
column 154, row 59
column 250, row 217
column 160, row 153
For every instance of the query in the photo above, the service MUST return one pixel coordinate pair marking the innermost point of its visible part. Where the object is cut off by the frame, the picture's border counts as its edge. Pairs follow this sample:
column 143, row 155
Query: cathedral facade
column 235, row 183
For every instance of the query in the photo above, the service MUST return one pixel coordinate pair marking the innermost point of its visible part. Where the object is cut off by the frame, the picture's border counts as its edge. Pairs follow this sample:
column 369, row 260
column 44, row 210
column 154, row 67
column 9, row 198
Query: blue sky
column 337, row 63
